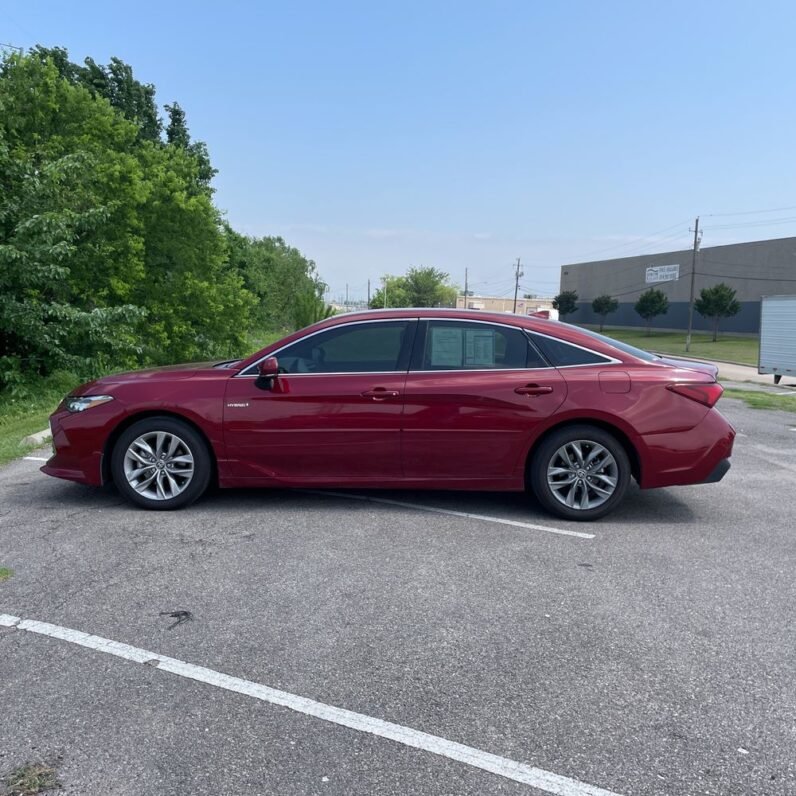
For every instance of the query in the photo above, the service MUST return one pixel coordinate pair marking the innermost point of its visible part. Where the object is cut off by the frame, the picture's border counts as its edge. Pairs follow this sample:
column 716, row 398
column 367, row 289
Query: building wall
column 760, row 268
column 500, row 304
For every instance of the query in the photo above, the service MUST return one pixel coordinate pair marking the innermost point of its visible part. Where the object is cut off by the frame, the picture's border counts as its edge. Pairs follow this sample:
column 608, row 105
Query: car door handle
column 533, row 389
column 380, row 394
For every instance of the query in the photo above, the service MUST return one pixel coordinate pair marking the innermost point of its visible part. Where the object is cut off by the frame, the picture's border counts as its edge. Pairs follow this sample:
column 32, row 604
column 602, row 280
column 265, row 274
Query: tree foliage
column 566, row 302
column 420, row 287
column 650, row 304
column 604, row 305
column 112, row 253
column 717, row 302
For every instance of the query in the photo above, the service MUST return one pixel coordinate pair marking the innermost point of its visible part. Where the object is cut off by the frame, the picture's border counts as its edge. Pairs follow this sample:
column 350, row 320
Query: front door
column 473, row 396
column 334, row 412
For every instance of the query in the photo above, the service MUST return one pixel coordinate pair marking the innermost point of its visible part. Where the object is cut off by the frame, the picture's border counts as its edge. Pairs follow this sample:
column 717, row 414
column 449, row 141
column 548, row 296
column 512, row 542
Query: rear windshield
column 639, row 353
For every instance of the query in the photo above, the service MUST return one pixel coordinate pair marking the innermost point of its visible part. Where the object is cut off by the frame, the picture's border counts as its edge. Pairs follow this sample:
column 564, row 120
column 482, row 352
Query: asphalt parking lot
column 649, row 653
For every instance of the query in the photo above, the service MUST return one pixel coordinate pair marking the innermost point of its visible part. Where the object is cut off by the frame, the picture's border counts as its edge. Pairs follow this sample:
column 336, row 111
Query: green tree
column 604, row 305
column 177, row 128
column 717, row 302
column 420, row 287
column 566, row 302
column 650, row 304
column 111, row 251
column 280, row 277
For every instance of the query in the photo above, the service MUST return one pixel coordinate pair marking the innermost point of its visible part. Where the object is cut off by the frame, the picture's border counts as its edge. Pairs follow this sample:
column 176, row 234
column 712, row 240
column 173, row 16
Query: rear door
column 474, row 395
column 334, row 412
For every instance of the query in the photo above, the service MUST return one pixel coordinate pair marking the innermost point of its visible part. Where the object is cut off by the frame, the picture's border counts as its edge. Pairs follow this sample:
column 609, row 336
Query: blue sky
column 376, row 136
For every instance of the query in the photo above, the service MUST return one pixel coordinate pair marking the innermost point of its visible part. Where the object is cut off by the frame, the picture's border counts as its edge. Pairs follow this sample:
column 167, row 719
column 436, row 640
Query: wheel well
column 107, row 452
column 622, row 438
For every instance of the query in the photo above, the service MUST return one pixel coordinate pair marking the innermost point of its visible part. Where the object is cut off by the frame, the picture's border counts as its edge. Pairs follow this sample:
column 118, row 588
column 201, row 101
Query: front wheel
column 580, row 472
column 161, row 463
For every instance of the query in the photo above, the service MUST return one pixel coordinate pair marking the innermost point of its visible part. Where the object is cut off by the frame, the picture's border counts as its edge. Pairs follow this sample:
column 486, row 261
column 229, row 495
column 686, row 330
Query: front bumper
column 79, row 441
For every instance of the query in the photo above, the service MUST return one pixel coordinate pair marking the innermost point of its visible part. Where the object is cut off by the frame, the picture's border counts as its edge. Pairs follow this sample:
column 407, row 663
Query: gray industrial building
column 760, row 268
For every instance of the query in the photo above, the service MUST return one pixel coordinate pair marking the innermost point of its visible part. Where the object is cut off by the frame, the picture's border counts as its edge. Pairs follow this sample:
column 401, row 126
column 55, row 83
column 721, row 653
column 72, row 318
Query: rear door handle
column 533, row 389
column 380, row 394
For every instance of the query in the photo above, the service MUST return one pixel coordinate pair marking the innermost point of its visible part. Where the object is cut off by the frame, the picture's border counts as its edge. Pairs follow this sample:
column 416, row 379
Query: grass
column 32, row 779
column 17, row 422
column 5, row 573
column 743, row 350
column 764, row 400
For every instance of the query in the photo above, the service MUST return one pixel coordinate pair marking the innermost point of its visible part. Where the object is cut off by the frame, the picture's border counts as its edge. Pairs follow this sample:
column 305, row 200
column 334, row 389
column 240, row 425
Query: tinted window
column 360, row 348
column 640, row 353
column 562, row 354
column 459, row 345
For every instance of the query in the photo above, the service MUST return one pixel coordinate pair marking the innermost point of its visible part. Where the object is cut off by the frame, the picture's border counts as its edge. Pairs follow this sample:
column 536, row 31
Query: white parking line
column 467, row 514
column 510, row 769
column 34, row 459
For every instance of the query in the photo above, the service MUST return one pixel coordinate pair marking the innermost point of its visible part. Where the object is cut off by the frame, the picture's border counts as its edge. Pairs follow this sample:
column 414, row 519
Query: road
column 653, row 655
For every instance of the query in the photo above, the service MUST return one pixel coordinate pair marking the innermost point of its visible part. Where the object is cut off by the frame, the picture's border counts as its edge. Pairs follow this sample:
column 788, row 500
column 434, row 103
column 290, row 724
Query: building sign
column 662, row 273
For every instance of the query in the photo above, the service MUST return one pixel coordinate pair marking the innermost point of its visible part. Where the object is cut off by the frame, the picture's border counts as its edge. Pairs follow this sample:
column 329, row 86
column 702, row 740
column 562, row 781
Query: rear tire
column 579, row 472
column 161, row 463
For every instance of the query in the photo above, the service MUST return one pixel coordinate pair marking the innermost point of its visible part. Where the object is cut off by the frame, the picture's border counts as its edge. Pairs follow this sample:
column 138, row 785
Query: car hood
column 690, row 364
column 168, row 372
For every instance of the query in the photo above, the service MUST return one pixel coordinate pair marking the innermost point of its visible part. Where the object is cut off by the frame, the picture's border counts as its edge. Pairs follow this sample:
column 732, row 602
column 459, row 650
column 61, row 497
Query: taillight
column 706, row 394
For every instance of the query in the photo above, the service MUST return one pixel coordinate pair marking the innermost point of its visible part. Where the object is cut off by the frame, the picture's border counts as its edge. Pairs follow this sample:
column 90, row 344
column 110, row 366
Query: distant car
column 415, row 399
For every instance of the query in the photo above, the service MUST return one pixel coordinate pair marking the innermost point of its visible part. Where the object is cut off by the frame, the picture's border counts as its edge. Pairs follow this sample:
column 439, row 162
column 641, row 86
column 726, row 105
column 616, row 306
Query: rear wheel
column 580, row 472
column 161, row 463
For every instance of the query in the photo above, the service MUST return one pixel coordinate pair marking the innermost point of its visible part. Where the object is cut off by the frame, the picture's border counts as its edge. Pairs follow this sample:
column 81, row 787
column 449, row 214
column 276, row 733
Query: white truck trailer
column 777, row 336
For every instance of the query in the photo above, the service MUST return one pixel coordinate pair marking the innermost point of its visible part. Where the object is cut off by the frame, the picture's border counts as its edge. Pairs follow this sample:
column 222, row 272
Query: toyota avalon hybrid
column 409, row 398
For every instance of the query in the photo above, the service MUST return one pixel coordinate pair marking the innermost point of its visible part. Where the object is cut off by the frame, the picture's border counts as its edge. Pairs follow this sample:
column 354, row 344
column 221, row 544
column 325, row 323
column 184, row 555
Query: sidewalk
column 730, row 372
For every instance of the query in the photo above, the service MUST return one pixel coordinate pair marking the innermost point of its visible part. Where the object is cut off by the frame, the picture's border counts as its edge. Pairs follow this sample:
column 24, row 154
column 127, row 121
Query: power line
column 751, row 212
column 635, row 241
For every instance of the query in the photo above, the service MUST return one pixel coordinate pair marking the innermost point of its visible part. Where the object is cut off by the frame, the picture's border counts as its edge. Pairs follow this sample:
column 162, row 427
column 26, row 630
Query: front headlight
column 79, row 403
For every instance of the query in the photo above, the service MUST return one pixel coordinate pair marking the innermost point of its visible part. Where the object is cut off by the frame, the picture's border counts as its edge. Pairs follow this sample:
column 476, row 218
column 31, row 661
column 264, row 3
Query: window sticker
column 479, row 347
column 446, row 347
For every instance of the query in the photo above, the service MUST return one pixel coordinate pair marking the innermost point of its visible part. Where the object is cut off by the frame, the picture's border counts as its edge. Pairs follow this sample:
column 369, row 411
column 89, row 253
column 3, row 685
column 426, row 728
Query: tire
column 161, row 463
column 563, row 478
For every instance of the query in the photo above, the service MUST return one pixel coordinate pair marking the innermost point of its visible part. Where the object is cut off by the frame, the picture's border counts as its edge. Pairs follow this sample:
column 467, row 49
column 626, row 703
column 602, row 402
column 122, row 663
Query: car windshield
column 640, row 353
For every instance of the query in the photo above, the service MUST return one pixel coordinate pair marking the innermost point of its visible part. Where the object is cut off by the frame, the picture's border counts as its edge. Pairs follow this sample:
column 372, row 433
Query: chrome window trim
column 246, row 374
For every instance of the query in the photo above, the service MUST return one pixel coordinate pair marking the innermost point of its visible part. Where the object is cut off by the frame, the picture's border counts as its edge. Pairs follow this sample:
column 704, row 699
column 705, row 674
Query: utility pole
column 693, row 275
column 368, row 293
column 385, row 292
column 517, row 284
column 465, row 289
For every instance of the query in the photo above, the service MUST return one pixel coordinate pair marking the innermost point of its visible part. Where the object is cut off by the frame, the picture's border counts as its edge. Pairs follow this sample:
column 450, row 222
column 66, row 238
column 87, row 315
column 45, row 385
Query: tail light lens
column 706, row 394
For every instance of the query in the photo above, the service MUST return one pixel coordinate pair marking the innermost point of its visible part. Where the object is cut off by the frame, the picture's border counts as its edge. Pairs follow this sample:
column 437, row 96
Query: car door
column 334, row 412
column 474, row 395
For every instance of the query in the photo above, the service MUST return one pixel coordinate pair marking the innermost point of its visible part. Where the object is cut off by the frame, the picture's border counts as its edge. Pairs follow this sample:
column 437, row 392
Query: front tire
column 580, row 472
column 161, row 463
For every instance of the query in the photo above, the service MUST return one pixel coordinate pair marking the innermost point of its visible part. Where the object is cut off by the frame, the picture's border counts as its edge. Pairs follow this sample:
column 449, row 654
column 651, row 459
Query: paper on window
column 479, row 347
column 446, row 347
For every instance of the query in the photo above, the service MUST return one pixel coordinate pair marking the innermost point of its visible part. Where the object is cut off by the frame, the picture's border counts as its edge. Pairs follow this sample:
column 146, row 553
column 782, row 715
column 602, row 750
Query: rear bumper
column 719, row 471
column 697, row 456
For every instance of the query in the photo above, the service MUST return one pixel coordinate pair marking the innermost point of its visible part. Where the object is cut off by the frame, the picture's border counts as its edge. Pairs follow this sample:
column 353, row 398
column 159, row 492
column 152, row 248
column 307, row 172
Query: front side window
column 461, row 345
column 355, row 348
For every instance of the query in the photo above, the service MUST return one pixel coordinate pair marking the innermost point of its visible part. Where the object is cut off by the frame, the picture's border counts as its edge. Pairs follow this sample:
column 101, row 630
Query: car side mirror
column 267, row 371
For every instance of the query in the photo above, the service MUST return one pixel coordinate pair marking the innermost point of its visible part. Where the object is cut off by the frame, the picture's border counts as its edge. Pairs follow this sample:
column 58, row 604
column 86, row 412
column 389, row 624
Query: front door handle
column 380, row 394
column 534, row 389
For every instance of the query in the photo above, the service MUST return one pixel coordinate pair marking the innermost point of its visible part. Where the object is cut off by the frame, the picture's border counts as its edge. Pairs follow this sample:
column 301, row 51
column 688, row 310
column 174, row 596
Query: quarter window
column 561, row 354
column 354, row 348
column 459, row 345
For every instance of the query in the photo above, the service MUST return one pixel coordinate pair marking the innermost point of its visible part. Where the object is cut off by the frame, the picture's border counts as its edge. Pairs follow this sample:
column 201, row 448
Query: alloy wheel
column 158, row 465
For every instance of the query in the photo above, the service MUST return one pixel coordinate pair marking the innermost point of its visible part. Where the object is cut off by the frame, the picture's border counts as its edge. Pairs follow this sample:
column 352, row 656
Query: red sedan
column 417, row 399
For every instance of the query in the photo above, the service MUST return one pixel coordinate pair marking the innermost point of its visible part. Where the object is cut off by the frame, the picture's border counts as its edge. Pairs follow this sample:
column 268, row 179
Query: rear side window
column 459, row 345
column 562, row 355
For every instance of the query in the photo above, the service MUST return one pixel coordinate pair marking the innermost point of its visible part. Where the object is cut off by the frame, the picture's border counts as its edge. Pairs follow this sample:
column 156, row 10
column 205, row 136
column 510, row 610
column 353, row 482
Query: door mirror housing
column 267, row 371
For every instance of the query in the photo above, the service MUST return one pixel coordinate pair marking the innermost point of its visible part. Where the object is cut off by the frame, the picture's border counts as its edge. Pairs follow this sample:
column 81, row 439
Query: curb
column 39, row 438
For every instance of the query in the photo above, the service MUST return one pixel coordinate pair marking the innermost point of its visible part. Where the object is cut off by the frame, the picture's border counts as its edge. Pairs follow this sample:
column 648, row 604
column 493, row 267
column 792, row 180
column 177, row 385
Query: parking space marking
column 467, row 514
column 546, row 781
column 35, row 459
